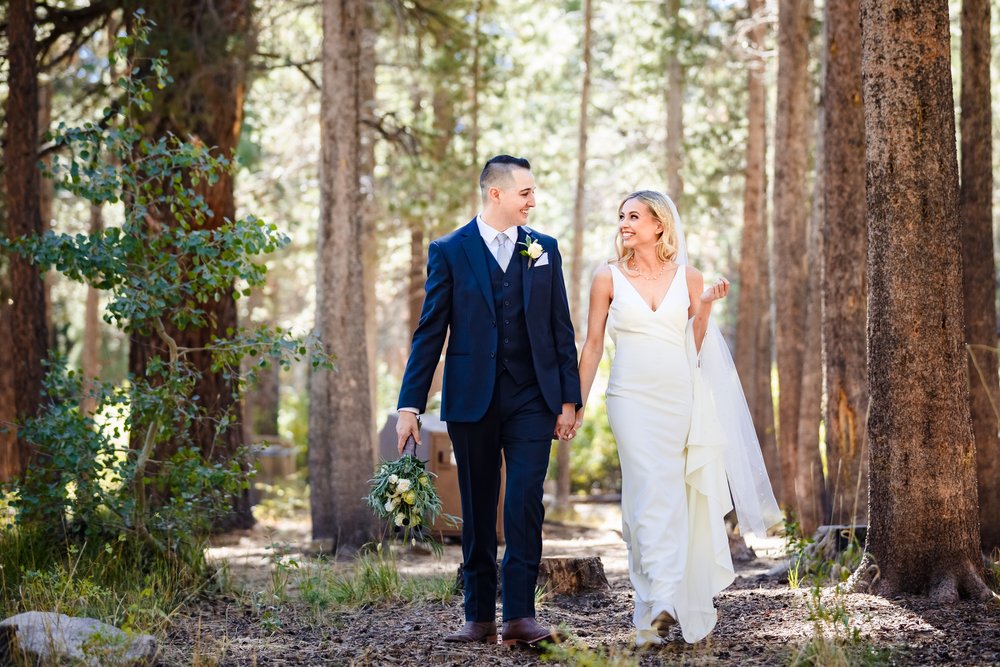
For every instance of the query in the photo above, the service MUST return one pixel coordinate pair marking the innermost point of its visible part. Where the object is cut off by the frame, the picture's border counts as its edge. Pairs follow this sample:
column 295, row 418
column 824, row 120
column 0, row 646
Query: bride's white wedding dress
column 672, row 450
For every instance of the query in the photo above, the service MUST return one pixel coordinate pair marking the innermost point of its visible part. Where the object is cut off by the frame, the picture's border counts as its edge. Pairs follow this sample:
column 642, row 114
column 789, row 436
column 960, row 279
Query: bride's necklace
column 634, row 266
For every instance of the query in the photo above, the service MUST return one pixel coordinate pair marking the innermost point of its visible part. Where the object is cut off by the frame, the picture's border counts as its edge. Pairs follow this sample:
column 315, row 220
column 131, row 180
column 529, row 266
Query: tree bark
column 28, row 332
column 416, row 275
column 790, row 219
column 576, row 260
column 476, row 198
column 923, row 535
column 753, row 321
column 90, row 364
column 10, row 460
column 366, row 104
column 567, row 575
column 845, row 286
column 341, row 443
column 46, row 197
column 261, row 400
column 979, row 269
column 207, row 44
column 675, row 102
column 808, row 464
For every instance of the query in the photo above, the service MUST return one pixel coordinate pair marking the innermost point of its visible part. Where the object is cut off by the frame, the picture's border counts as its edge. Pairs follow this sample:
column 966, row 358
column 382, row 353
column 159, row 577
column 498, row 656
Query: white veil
column 749, row 485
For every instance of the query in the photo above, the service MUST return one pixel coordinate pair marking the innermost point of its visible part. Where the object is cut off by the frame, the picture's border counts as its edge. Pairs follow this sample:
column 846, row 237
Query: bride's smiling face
column 637, row 226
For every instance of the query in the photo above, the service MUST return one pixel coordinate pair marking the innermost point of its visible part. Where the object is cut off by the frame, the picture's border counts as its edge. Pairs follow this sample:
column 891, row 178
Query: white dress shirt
column 490, row 235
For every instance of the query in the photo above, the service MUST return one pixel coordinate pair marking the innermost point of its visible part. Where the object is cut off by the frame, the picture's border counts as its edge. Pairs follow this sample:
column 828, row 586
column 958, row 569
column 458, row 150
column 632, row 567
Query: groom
column 495, row 289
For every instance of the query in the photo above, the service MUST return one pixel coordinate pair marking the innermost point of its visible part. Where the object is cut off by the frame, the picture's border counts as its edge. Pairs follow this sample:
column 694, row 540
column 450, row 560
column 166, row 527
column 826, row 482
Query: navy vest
column 513, row 345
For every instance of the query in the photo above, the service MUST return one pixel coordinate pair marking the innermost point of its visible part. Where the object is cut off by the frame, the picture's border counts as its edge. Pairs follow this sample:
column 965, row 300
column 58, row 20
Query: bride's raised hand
column 714, row 292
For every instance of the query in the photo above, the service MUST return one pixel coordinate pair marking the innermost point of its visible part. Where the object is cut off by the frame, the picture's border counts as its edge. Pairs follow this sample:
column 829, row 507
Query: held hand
column 406, row 426
column 715, row 292
column 566, row 423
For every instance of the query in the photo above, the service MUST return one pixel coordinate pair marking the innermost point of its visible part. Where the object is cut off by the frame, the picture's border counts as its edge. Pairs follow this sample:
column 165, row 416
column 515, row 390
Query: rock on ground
column 49, row 637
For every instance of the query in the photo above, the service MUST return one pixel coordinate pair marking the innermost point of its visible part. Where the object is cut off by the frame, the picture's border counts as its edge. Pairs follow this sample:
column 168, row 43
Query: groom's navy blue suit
column 509, row 367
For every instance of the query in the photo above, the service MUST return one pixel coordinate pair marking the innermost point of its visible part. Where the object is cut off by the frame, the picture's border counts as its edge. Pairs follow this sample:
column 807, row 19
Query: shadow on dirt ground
column 762, row 621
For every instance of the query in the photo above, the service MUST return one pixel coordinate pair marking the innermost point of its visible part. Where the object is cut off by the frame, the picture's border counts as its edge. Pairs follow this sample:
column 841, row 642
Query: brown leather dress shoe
column 527, row 632
column 662, row 623
column 475, row 633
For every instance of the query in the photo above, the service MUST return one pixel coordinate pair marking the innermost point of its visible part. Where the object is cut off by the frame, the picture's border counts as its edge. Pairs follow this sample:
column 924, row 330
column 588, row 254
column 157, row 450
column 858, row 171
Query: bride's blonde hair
column 666, row 244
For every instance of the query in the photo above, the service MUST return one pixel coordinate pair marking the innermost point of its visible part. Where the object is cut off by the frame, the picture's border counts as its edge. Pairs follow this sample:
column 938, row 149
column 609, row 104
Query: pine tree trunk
column 979, row 270
column 261, row 400
column 10, row 460
column 207, row 45
column 46, row 197
column 476, row 199
column 366, row 104
column 416, row 276
column 791, row 213
column 576, row 260
column 341, row 445
column 923, row 534
column 675, row 102
column 753, row 320
column 90, row 364
column 845, row 286
column 808, row 465
column 28, row 338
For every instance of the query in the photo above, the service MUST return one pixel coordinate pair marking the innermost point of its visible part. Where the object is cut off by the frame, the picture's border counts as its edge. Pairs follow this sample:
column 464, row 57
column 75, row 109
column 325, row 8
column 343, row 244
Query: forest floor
column 277, row 616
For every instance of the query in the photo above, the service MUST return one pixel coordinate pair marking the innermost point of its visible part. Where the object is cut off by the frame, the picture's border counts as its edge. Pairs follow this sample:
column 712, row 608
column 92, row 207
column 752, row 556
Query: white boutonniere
column 532, row 250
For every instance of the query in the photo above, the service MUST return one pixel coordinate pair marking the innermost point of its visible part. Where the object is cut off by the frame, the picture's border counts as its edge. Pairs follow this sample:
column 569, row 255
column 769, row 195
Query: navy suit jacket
column 459, row 305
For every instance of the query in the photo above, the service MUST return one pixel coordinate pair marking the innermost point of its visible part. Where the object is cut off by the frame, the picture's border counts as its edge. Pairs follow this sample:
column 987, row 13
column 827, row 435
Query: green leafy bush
column 133, row 466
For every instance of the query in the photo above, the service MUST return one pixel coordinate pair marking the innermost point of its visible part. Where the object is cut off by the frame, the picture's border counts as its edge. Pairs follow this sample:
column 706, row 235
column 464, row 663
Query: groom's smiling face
column 518, row 198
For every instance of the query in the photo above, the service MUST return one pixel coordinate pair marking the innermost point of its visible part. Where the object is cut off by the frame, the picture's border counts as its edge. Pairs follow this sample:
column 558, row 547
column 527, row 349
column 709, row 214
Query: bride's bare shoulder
column 602, row 279
column 693, row 275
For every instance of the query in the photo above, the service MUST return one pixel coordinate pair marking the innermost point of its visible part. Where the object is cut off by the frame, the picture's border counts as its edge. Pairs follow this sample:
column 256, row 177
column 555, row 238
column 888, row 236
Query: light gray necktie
column 503, row 251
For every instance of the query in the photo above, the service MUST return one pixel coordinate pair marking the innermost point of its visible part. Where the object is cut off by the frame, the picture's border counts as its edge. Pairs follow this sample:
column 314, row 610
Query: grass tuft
column 574, row 653
column 836, row 641
column 374, row 579
column 119, row 582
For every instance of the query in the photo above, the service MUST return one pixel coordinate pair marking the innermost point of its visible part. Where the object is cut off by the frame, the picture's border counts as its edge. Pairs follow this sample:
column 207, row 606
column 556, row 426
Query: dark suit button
column 506, row 321
column 506, row 302
column 506, row 341
column 493, row 355
column 506, row 284
column 494, row 322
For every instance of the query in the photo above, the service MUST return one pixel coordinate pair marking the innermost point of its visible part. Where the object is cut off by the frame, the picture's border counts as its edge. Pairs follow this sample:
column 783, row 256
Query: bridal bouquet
column 403, row 494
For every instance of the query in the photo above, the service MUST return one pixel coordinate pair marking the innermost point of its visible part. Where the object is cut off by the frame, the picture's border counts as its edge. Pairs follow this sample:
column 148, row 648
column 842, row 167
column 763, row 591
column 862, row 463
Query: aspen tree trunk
column 576, row 260
column 341, row 440
column 845, row 284
column 978, row 268
column 753, row 321
column 923, row 534
column 791, row 213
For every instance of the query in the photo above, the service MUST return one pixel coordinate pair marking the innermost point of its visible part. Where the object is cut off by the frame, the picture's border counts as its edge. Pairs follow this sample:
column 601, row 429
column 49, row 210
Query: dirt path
column 761, row 620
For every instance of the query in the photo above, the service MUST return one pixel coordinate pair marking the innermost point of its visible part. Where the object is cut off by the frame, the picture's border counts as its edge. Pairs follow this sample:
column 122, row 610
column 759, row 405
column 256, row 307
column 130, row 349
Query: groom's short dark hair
column 497, row 171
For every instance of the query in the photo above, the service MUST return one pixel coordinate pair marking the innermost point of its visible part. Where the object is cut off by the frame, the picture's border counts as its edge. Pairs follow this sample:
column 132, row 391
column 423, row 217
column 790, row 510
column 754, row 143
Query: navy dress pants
column 519, row 425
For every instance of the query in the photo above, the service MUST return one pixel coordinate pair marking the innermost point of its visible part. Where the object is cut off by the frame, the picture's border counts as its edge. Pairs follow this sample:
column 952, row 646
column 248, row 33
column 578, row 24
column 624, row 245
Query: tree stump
column 564, row 575
column 559, row 575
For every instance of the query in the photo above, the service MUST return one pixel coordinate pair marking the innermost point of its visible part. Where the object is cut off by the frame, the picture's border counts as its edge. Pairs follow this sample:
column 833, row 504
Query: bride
column 680, row 419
